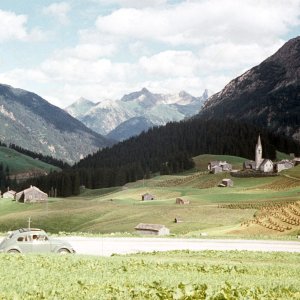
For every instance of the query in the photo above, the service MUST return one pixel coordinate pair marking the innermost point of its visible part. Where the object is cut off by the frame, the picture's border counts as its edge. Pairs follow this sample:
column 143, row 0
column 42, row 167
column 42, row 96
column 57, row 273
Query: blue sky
column 102, row 49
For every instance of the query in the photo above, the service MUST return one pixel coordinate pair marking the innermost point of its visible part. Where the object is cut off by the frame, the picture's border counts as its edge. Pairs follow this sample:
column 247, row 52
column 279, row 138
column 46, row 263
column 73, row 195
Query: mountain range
column 135, row 112
column 29, row 121
column 267, row 95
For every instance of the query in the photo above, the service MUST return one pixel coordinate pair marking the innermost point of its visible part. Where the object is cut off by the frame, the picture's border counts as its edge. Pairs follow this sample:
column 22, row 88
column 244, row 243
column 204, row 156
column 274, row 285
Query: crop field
column 158, row 275
column 240, row 211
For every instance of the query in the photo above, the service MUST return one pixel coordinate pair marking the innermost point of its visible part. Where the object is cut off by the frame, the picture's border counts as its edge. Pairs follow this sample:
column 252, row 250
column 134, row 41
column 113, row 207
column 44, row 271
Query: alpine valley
column 135, row 112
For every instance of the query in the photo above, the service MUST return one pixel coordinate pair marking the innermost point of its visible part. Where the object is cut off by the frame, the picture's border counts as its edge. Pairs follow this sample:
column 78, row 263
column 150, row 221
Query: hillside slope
column 22, row 166
column 31, row 122
column 267, row 95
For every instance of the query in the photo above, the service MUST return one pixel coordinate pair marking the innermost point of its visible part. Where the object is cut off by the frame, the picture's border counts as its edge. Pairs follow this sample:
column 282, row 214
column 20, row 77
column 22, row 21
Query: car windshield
column 9, row 235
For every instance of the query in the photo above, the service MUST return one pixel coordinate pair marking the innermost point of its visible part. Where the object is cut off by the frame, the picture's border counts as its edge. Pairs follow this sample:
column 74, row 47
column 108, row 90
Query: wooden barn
column 152, row 229
column 147, row 197
column 182, row 201
column 31, row 195
column 226, row 182
column 10, row 194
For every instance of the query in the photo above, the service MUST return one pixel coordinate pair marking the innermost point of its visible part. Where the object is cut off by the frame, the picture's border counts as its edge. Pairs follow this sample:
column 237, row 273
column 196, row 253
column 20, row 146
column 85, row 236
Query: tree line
column 166, row 150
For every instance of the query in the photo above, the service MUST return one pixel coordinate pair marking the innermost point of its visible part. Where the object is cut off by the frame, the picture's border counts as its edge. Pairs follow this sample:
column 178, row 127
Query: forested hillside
column 168, row 149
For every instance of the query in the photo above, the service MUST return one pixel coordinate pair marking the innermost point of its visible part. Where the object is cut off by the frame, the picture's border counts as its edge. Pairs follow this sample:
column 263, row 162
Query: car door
column 24, row 243
column 40, row 243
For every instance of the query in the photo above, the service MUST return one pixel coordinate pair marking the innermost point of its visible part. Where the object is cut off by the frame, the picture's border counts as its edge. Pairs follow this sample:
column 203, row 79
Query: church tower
column 258, row 154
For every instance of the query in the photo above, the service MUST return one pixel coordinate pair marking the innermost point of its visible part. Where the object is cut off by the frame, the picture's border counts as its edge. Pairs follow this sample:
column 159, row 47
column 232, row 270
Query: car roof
column 24, row 230
column 29, row 229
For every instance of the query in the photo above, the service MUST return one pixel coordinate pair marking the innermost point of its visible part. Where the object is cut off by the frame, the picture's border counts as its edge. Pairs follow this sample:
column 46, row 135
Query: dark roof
column 152, row 227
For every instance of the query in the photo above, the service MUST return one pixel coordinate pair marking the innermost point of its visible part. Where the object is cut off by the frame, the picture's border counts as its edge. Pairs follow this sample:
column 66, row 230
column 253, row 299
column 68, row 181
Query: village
column 259, row 167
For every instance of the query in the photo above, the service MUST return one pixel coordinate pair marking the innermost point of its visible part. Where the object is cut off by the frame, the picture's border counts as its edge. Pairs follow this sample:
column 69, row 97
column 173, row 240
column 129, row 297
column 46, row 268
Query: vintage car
column 26, row 240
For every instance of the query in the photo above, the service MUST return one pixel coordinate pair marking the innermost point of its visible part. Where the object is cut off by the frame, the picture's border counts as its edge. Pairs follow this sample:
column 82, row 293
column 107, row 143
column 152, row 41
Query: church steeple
column 258, row 154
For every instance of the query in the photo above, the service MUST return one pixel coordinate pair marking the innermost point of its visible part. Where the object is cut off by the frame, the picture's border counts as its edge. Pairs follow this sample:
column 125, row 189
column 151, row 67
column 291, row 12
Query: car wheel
column 13, row 251
column 63, row 251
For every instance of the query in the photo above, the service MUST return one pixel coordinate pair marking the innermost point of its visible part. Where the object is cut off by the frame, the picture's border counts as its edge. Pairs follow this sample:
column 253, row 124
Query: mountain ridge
column 106, row 115
column 267, row 95
column 31, row 122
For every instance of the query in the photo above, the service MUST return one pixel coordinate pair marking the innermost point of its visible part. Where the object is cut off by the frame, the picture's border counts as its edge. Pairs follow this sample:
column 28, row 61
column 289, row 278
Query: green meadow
column 120, row 209
column 20, row 163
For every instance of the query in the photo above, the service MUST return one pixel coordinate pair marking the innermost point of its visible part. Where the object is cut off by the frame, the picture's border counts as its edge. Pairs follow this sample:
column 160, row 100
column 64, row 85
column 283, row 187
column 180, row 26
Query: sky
column 103, row 49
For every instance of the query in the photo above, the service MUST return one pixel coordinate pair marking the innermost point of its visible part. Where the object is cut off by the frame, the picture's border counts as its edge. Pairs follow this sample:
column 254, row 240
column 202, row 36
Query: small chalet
column 152, row 229
column 31, row 195
column 219, row 166
column 226, row 182
column 182, row 201
column 147, row 197
column 296, row 161
column 10, row 194
column 283, row 165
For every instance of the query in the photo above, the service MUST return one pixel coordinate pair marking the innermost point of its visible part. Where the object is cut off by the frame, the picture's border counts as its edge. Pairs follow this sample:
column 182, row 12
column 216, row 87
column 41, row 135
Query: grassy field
column 166, row 275
column 20, row 163
column 241, row 211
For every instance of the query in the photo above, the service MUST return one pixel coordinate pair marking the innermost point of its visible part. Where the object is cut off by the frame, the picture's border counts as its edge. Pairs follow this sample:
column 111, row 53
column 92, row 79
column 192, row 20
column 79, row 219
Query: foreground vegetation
column 171, row 275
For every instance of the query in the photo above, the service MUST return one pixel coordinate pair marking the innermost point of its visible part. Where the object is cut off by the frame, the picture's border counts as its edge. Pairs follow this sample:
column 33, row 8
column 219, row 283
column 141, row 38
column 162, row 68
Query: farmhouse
column 283, row 165
column 10, row 194
column 296, row 161
column 260, row 164
column 147, row 196
column 219, row 166
column 152, row 229
column 182, row 201
column 226, row 182
column 31, row 195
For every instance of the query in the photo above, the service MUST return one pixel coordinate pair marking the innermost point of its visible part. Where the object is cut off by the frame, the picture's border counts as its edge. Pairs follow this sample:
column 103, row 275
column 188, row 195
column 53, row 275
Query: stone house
column 182, row 201
column 31, row 195
column 219, row 166
column 296, row 161
column 147, row 196
column 283, row 165
column 266, row 166
column 152, row 229
column 10, row 194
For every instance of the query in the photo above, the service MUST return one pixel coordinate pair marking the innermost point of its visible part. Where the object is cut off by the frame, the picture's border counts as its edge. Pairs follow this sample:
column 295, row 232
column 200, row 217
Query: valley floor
column 253, row 208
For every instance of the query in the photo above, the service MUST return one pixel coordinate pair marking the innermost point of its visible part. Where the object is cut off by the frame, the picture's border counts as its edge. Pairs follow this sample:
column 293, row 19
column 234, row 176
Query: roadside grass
column 157, row 275
column 20, row 163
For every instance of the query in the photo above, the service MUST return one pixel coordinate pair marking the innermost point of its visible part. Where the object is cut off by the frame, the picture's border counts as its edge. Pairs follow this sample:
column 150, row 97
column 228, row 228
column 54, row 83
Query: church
column 260, row 164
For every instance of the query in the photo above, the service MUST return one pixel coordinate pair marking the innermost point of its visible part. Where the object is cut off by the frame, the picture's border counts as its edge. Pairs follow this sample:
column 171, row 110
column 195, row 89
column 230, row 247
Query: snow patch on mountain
column 154, row 109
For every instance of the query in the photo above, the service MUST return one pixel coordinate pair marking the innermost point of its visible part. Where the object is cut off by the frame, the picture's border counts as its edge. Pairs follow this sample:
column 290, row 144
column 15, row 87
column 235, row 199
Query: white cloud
column 171, row 63
column 13, row 27
column 133, row 3
column 59, row 11
column 230, row 57
column 87, row 51
column 198, row 22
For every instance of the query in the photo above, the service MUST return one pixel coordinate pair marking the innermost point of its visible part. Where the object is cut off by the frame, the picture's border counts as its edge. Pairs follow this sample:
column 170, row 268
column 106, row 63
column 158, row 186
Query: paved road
column 105, row 246
column 108, row 245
